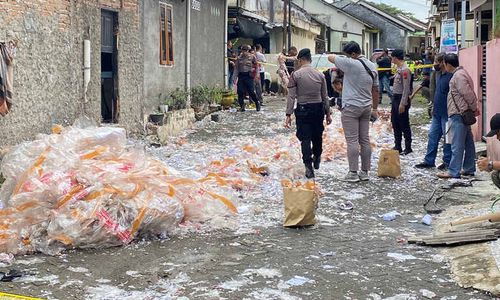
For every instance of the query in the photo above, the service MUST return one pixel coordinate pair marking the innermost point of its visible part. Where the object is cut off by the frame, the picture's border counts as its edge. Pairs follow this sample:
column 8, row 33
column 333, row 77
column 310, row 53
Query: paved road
column 349, row 255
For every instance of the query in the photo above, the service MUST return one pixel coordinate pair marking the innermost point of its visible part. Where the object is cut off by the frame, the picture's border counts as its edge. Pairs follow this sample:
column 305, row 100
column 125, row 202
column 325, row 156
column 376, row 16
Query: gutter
column 188, row 52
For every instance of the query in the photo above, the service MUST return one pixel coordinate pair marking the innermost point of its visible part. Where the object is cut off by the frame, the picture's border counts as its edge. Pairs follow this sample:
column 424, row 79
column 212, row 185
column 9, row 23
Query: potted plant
column 177, row 99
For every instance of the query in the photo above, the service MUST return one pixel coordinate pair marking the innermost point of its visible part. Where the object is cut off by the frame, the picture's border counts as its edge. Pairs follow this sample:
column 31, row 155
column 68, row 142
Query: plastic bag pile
column 86, row 188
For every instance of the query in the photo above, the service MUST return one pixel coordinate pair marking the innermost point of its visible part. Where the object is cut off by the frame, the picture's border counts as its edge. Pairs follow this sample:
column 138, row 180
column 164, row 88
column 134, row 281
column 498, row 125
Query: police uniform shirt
column 245, row 64
column 402, row 81
column 306, row 86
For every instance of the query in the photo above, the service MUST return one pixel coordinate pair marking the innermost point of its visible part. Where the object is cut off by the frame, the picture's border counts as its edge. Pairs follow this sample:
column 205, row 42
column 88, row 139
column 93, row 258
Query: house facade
column 166, row 63
column 394, row 32
column 479, row 56
column 137, row 51
column 262, row 22
column 341, row 27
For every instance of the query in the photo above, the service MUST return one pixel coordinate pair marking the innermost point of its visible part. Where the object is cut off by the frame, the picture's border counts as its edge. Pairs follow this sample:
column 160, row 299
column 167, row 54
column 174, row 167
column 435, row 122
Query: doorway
column 109, row 67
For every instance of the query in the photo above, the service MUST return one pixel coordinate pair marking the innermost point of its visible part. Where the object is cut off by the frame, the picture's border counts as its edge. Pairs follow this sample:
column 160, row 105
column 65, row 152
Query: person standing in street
column 360, row 100
column 244, row 70
column 400, row 111
column 256, row 78
column 439, row 117
column 384, row 62
column 461, row 98
column 291, row 60
column 261, row 58
column 307, row 88
column 283, row 74
column 231, row 56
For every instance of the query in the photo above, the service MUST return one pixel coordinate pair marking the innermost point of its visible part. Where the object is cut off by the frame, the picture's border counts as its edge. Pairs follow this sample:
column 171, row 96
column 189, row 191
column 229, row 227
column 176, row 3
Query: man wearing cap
column 360, row 99
column 307, row 88
column 484, row 164
column 244, row 70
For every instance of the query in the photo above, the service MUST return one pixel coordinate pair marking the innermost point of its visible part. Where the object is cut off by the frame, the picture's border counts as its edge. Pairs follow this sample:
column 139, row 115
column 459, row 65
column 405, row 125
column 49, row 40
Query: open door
column 109, row 67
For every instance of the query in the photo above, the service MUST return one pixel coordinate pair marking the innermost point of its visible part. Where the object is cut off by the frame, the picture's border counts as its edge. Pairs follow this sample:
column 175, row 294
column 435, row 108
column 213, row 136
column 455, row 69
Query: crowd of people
column 356, row 87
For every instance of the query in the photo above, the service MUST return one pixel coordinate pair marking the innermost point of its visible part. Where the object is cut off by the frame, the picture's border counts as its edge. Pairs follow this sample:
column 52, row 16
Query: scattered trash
column 11, row 275
column 262, row 272
column 401, row 257
column 427, row 294
column 299, row 280
column 390, row 216
column 78, row 269
column 327, row 253
column 86, row 188
column 6, row 258
column 427, row 220
column 347, row 205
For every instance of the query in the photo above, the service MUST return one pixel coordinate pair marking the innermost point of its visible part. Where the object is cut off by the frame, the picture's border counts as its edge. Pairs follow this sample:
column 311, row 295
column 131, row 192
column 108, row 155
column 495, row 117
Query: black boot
column 309, row 171
column 316, row 162
column 257, row 105
column 398, row 148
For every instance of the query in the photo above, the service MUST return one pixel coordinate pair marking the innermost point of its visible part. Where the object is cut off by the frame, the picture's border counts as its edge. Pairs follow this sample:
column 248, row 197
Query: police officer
column 401, row 103
column 245, row 69
column 307, row 87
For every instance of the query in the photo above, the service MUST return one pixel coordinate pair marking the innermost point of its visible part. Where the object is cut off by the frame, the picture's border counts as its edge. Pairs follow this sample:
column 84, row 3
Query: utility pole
column 462, row 30
column 284, row 22
column 289, row 24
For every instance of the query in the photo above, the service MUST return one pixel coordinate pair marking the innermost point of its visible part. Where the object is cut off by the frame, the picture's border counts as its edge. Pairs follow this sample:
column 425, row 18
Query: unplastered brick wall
column 48, row 70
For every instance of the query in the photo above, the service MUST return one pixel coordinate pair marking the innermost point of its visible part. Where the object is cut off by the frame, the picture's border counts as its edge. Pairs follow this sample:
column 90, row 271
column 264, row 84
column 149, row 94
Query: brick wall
column 48, row 76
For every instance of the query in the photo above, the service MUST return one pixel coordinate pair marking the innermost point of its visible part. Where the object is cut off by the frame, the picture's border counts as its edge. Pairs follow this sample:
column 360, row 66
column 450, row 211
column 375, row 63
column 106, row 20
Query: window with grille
column 166, row 32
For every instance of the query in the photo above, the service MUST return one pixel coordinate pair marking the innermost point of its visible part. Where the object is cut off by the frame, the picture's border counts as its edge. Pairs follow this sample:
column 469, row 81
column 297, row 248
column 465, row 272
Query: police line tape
column 326, row 68
column 7, row 296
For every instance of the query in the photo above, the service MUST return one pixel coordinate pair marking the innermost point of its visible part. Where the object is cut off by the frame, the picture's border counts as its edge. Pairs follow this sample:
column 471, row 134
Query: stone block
column 175, row 122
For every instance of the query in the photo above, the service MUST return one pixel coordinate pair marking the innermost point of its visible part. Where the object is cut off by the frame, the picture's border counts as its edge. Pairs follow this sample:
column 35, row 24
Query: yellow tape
column 6, row 296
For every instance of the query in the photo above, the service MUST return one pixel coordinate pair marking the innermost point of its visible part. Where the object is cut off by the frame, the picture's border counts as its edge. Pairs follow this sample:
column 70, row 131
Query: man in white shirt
column 261, row 58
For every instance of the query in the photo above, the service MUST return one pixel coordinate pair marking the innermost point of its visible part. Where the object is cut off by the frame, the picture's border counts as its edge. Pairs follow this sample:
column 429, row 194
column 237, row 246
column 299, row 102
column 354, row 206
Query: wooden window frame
column 169, row 50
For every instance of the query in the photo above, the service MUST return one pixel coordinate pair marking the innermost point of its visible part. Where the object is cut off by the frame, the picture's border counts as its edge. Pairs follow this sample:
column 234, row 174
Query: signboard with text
column 449, row 36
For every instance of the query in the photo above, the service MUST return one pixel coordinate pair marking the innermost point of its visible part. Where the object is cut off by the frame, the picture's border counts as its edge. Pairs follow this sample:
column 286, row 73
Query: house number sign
column 196, row 5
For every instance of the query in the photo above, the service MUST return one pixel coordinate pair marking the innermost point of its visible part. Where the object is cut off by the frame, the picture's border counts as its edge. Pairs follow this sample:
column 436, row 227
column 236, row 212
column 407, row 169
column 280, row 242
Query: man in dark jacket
column 439, row 118
column 384, row 62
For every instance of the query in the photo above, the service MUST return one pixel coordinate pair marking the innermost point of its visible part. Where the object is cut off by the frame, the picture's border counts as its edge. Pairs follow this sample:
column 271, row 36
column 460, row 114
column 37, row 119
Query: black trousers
column 263, row 81
column 310, row 130
column 400, row 123
column 246, row 86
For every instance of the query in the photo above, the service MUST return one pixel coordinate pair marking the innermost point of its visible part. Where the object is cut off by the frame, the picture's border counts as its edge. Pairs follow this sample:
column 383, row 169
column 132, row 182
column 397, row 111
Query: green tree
column 392, row 10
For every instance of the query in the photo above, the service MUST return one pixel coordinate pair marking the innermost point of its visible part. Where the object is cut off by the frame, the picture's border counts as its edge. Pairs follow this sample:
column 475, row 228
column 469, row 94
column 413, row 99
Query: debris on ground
column 390, row 216
column 86, row 188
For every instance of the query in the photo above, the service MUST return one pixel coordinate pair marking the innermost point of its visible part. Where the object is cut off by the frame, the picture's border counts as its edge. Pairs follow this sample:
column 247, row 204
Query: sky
column 420, row 8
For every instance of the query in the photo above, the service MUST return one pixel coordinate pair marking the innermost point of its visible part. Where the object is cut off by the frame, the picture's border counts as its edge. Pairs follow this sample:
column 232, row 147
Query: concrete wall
column 493, row 92
column 48, row 77
column 207, row 49
column 471, row 60
column 160, row 79
column 300, row 39
column 207, row 43
column 336, row 39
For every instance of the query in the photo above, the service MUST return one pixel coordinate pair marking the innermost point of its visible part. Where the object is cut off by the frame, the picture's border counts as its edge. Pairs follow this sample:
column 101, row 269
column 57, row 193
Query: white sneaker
column 351, row 177
column 363, row 176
